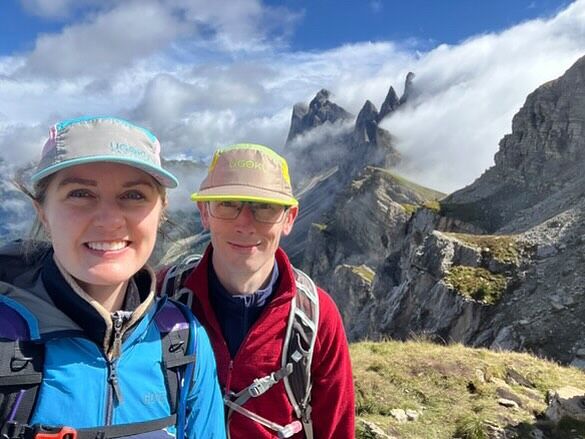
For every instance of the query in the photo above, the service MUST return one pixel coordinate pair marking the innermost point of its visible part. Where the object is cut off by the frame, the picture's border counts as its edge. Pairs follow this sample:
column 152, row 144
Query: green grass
column 410, row 209
column 433, row 205
column 503, row 248
column 455, row 389
column 320, row 227
column 364, row 272
column 476, row 283
column 425, row 192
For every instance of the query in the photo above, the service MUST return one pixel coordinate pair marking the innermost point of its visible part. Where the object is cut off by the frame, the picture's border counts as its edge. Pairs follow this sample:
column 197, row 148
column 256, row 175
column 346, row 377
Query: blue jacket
column 97, row 373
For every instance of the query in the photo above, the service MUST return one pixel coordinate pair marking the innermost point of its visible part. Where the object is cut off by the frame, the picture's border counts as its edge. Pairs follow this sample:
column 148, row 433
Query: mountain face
column 327, row 148
column 539, row 161
column 496, row 264
column 16, row 211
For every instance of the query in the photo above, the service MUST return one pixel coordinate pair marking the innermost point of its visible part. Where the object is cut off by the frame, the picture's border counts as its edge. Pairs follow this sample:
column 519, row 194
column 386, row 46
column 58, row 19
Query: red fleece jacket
column 260, row 354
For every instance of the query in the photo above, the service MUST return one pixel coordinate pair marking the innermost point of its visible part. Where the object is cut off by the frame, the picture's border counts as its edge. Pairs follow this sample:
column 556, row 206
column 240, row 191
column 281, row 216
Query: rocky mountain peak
column 548, row 132
column 366, row 124
column 320, row 110
column 390, row 104
column 407, row 88
column 320, row 99
column 541, row 159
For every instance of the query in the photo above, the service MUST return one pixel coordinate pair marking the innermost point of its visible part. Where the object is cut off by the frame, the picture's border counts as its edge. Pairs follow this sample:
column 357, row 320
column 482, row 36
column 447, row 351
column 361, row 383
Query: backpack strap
column 295, row 372
column 301, row 335
column 174, row 279
column 299, row 344
column 21, row 363
column 21, row 373
column 178, row 337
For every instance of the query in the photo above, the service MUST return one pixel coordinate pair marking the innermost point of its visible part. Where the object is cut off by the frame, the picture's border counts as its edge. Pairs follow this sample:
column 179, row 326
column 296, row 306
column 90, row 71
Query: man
column 243, row 288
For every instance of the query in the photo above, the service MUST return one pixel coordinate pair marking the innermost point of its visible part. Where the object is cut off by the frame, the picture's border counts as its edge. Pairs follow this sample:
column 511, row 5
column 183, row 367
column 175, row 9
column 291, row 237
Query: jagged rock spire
column 407, row 88
column 390, row 104
column 320, row 110
column 366, row 124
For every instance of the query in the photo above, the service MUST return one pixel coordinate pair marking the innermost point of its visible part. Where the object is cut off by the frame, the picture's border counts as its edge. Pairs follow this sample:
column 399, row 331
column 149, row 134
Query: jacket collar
column 87, row 313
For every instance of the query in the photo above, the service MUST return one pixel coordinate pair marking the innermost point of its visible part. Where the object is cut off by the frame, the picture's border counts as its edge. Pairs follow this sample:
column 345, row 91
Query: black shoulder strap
column 301, row 334
column 21, row 365
column 21, row 373
column 172, row 285
column 175, row 331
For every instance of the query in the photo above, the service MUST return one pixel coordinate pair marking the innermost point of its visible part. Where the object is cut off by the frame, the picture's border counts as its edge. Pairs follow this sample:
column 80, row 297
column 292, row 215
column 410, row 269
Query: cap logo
column 132, row 151
column 247, row 164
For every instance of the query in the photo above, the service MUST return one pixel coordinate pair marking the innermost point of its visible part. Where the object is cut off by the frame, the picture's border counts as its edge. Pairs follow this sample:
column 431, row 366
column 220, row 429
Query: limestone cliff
column 495, row 264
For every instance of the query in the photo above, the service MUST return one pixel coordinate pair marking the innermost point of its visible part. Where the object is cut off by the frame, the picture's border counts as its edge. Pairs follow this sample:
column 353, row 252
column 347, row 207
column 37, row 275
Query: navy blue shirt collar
column 237, row 313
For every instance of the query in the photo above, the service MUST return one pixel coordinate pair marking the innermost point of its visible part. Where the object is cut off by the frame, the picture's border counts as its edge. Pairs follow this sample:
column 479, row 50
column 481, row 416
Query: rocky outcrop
column 319, row 111
column 390, row 104
column 566, row 403
column 16, row 210
column 497, row 264
column 539, row 161
column 408, row 88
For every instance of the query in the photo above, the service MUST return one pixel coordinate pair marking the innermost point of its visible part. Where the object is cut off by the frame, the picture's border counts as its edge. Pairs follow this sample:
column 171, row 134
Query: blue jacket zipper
column 114, row 394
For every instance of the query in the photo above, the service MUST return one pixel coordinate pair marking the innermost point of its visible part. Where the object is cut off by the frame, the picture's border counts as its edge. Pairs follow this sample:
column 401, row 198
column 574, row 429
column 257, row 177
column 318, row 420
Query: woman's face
column 102, row 219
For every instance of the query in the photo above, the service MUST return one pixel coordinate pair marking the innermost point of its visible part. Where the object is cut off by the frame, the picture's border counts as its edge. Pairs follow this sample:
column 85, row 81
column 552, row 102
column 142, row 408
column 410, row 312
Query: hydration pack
column 21, row 374
column 297, row 353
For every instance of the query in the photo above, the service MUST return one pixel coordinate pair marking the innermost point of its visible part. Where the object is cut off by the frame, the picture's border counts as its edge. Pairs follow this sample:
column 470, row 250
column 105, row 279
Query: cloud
column 106, row 43
column 20, row 143
column 243, row 25
column 376, row 6
column 58, row 9
column 110, row 36
column 204, row 74
column 468, row 94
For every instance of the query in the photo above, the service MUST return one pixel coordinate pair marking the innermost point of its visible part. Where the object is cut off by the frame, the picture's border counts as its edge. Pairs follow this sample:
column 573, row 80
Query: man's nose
column 246, row 217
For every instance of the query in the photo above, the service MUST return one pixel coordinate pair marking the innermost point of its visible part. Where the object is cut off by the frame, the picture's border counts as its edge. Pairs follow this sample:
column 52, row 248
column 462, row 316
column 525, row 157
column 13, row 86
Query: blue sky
column 329, row 23
column 205, row 73
column 325, row 24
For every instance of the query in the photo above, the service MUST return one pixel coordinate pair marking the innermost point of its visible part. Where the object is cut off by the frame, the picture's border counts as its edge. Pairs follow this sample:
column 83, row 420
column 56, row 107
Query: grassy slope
column 453, row 387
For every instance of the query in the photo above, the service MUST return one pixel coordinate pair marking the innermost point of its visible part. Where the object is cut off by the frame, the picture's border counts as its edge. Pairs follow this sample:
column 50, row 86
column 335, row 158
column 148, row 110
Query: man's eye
column 229, row 204
column 133, row 195
column 266, row 206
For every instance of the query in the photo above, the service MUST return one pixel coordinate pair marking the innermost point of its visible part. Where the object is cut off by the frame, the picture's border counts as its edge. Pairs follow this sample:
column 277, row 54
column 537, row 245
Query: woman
column 91, row 352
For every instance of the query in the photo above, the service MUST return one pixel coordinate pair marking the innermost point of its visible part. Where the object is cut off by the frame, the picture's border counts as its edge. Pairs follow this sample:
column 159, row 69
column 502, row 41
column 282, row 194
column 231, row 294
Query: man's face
column 243, row 246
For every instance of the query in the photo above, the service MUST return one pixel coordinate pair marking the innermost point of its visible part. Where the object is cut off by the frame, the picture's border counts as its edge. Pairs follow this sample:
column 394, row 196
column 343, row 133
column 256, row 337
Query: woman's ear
column 40, row 213
column 42, row 218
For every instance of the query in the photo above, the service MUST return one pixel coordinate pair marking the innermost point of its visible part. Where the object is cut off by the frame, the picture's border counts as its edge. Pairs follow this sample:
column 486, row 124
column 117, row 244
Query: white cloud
column 242, row 25
column 468, row 94
column 202, row 75
column 57, row 9
column 106, row 43
column 376, row 6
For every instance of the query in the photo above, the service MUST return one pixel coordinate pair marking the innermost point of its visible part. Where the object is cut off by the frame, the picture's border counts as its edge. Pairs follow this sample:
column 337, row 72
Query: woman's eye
column 79, row 193
column 134, row 195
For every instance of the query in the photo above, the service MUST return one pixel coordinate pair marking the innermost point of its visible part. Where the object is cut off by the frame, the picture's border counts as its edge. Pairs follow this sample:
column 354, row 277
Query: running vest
column 22, row 353
column 297, row 353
